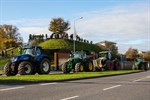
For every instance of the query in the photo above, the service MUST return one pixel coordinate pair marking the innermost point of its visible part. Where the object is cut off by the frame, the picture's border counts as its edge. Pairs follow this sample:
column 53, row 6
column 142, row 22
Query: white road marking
column 111, row 87
column 148, row 77
column 70, row 98
column 48, row 84
column 13, row 88
column 141, row 79
column 138, row 80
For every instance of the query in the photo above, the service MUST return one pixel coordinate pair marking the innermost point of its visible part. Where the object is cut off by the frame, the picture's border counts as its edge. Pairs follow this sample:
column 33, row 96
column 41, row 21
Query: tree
column 9, row 35
column 59, row 27
column 10, row 31
column 131, row 53
column 146, row 56
column 2, row 38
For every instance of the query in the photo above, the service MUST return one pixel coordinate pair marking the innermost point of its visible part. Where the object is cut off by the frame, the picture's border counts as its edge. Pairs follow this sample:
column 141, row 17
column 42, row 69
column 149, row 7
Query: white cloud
column 25, row 31
column 128, row 26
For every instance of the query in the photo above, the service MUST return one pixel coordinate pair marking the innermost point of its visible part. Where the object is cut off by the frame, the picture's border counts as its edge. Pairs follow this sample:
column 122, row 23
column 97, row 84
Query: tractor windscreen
column 79, row 55
column 30, row 51
column 103, row 55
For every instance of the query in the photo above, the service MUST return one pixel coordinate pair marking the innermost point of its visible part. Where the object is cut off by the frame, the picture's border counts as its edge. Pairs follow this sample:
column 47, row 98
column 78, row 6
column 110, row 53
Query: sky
column 126, row 22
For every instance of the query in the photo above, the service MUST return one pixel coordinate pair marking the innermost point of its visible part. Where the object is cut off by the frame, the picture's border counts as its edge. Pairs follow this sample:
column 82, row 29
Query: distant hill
column 68, row 45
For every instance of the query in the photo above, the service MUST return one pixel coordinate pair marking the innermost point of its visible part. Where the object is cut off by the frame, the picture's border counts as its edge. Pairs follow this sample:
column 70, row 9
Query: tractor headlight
column 14, row 59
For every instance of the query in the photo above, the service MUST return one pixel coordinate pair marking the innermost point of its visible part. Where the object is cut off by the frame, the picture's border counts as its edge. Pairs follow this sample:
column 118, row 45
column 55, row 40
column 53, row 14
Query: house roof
column 107, row 42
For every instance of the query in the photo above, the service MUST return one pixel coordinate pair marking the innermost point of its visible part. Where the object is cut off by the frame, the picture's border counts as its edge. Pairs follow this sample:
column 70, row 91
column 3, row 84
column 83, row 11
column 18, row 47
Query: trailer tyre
column 79, row 67
column 44, row 67
column 25, row 68
column 8, row 70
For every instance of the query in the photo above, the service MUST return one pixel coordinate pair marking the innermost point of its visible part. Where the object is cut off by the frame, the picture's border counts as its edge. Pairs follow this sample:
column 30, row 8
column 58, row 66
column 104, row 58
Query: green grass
column 68, row 44
column 4, row 61
column 54, row 77
column 1, row 71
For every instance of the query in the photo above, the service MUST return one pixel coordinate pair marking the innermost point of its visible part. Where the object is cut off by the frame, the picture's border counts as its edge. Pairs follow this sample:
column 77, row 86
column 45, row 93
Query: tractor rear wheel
column 89, row 66
column 79, row 67
column 8, row 70
column 25, row 68
column 44, row 67
column 64, row 68
column 142, row 66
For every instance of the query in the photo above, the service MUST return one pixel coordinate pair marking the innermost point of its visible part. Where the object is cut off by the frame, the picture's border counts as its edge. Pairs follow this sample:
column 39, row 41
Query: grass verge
column 59, row 77
column 1, row 71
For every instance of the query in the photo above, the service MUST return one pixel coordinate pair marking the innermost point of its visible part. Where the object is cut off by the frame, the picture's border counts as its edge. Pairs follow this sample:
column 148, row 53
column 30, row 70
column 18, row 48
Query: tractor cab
column 32, row 50
column 105, row 54
column 81, row 55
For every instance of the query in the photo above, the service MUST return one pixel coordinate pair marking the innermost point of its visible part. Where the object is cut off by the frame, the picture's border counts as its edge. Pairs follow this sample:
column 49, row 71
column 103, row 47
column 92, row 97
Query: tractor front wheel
column 25, row 68
column 44, row 67
column 79, row 67
column 8, row 70
column 64, row 68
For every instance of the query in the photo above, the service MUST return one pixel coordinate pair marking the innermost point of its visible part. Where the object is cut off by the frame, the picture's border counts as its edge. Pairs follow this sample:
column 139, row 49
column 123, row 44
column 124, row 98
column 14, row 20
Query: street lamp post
column 75, row 34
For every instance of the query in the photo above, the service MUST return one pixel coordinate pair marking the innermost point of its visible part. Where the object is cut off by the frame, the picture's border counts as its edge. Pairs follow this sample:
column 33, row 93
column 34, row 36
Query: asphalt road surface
column 123, row 87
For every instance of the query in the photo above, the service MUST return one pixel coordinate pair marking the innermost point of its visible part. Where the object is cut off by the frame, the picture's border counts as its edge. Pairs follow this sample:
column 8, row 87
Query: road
column 123, row 87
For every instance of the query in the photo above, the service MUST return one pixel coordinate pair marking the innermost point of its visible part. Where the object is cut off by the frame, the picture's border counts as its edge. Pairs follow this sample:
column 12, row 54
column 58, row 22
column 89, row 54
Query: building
column 108, row 45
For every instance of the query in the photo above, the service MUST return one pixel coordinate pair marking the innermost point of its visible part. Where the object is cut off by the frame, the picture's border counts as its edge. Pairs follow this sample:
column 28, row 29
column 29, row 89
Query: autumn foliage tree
column 8, row 36
column 59, row 27
column 146, row 56
column 131, row 53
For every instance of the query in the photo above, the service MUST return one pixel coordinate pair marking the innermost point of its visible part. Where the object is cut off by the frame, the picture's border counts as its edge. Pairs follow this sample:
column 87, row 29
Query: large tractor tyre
column 79, row 67
column 109, row 65
column 64, row 68
column 89, row 66
column 44, row 67
column 25, row 68
column 142, row 67
column 146, row 66
column 8, row 70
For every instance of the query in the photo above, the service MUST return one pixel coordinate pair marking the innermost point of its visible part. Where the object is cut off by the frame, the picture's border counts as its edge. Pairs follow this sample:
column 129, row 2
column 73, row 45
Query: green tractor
column 105, row 62
column 78, row 62
column 140, row 64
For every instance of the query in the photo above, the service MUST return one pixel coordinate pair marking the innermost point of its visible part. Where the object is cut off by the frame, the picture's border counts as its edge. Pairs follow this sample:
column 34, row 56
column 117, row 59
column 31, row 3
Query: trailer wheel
column 44, row 67
column 8, row 70
column 79, row 67
column 64, row 68
column 25, row 68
